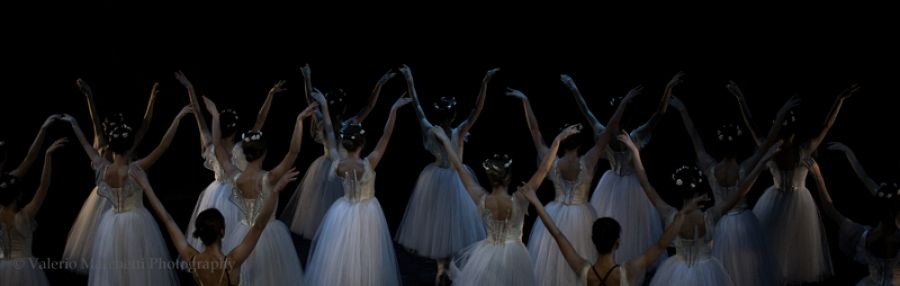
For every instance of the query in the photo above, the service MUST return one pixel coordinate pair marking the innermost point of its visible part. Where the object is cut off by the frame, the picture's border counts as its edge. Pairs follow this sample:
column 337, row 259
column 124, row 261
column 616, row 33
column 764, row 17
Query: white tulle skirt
column 622, row 198
column 130, row 251
column 79, row 244
column 794, row 230
column 491, row 263
column 315, row 194
column 353, row 247
column 22, row 271
column 741, row 247
column 217, row 195
column 441, row 217
column 274, row 260
column 576, row 222
column 704, row 272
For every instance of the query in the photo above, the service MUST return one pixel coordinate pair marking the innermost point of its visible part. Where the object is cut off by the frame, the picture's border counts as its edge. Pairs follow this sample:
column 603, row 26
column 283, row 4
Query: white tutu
column 705, row 272
column 576, row 222
column 623, row 199
column 353, row 246
column 492, row 263
column 274, row 260
column 217, row 195
column 22, row 271
column 741, row 247
column 794, row 230
column 131, row 251
column 440, row 218
column 315, row 194
column 77, row 253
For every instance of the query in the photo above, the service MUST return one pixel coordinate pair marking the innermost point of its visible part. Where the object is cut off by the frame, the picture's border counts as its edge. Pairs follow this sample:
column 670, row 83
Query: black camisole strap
column 608, row 272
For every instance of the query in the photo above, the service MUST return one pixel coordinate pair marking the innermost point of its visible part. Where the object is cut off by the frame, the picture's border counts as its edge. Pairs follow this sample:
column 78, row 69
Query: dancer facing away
column 693, row 263
column 440, row 218
column 17, row 226
column 605, row 234
column 127, row 229
column 571, row 175
column 80, row 240
column 618, row 194
column 274, row 259
column 740, row 242
column 787, row 211
column 317, row 190
column 501, row 258
column 219, row 192
column 879, row 246
column 353, row 245
column 211, row 266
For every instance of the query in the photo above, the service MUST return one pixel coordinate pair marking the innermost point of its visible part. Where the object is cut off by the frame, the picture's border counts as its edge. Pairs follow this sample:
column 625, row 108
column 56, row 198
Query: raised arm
column 547, row 162
column 88, row 149
column 331, row 142
column 640, row 263
column 857, row 167
column 181, row 245
column 475, row 191
column 479, row 106
column 376, row 92
column 32, row 208
column 148, row 117
column 773, row 135
column 411, row 89
column 642, row 133
column 596, row 126
column 746, row 184
column 195, row 105
column 704, row 160
column 36, row 145
column 375, row 156
column 264, row 110
column 230, row 169
column 649, row 190
column 99, row 139
column 832, row 116
column 745, row 110
column 824, row 197
column 243, row 250
column 166, row 141
column 533, row 125
column 575, row 261
column 288, row 162
column 602, row 139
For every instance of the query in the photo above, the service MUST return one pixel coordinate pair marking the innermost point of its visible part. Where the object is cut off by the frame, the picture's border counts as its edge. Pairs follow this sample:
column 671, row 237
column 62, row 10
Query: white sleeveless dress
column 17, row 265
column 353, row 244
column 693, row 263
column 130, row 248
column 218, row 196
column 501, row 258
column 80, row 241
column 619, row 195
column 790, row 219
column 882, row 271
column 274, row 260
column 440, row 217
column 740, row 243
column 575, row 218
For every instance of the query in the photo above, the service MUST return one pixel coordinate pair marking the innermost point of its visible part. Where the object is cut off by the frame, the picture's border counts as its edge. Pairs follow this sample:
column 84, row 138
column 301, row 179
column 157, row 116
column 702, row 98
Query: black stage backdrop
column 236, row 66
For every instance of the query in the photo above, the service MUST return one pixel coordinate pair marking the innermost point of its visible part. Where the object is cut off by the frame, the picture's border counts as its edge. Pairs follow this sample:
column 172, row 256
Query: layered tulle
column 353, row 246
column 743, row 250
column 575, row 222
column 623, row 199
column 79, row 243
column 440, row 217
column 705, row 272
column 22, row 271
column 490, row 263
column 315, row 194
column 130, row 250
column 274, row 260
column 217, row 195
column 795, row 232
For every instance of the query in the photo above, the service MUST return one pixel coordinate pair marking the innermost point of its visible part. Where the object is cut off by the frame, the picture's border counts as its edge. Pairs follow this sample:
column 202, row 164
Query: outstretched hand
column 305, row 71
column 791, row 103
column 838, row 146
column 68, row 118
column 210, row 106
column 59, row 143
column 154, row 91
column 139, row 175
column 50, row 120
column 570, row 130
column 309, row 110
column 634, row 92
column 850, row 91
column 318, row 96
column 568, row 81
column 528, row 192
column 694, row 203
column 515, row 93
column 285, row 179
column 734, row 89
column 84, row 87
column 277, row 87
column 407, row 73
column 402, row 101
column 675, row 81
column 676, row 103
column 625, row 138
column 187, row 109
column 183, row 79
column 490, row 74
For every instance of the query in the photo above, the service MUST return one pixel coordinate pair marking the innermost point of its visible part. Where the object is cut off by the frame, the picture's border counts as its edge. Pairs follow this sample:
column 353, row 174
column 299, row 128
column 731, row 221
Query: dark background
column 235, row 60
